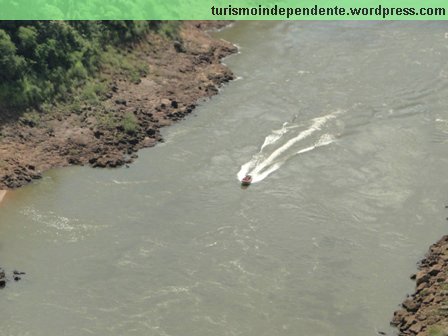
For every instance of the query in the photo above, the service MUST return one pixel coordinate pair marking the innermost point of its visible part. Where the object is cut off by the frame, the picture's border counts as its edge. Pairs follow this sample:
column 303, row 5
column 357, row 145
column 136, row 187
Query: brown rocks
column 108, row 160
column 421, row 277
column 425, row 309
column 435, row 270
column 410, row 305
column 428, row 299
column 2, row 278
column 16, row 276
column 416, row 328
column 179, row 47
column 398, row 316
column 421, row 317
column 19, row 176
column 121, row 101
column 148, row 142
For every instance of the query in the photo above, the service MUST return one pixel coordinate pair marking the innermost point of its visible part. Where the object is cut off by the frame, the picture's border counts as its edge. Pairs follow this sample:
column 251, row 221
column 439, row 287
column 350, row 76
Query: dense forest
column 46, row 61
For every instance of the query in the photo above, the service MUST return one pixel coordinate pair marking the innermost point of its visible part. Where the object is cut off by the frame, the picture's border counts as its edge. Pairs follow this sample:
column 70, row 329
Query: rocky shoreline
column 4, row 278
column 181, row 72
column 425, row 313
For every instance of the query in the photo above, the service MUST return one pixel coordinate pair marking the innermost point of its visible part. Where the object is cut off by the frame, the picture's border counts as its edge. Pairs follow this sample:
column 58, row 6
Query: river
column 344, row 127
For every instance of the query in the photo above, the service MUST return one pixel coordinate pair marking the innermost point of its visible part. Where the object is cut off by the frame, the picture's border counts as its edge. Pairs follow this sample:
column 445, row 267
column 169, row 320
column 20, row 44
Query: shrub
column 30, row 119
column 130, row 123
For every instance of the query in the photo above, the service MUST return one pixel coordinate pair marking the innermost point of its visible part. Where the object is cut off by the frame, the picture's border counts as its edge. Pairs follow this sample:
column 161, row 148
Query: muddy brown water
column 351, row 187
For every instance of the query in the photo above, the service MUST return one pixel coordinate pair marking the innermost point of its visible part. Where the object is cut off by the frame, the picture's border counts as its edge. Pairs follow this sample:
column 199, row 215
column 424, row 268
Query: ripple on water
column 60, row 228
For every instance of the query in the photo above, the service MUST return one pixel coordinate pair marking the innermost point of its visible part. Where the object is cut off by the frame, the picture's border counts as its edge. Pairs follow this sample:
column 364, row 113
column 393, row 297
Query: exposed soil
column 425, row 313
column 181, row 72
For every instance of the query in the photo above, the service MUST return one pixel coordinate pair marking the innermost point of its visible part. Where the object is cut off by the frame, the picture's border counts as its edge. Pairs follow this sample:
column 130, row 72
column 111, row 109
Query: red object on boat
column 246, row 180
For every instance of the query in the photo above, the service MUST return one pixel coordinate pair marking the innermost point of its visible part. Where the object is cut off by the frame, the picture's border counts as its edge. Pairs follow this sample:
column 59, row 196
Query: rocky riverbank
column 425, row 313
column 14, row 276
column 181, row 72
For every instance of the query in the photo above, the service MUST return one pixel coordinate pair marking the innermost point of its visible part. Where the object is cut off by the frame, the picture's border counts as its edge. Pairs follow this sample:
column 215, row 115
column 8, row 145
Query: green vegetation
column 130, row 123
column 91, row 93
column 437, row 330
column 30, row 118
column 127, row 124
column 170, row 29
column 48, row 61
column 425, row 291
column 108, row 121
column 112, row 59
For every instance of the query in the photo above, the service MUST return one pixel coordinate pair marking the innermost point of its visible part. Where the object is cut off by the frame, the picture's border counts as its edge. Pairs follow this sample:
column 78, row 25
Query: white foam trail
column 272, row 138
column 318, row 122
column 261, row 165
column 130, row 182
column 277, row 134
column 324, row 140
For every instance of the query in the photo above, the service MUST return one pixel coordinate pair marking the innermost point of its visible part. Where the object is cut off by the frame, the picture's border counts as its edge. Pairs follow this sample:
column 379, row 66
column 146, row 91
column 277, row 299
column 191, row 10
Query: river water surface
column 344, row 127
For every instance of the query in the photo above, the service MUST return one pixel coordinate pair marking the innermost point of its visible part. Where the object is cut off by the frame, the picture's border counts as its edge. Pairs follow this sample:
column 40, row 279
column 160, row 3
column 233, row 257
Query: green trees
column 45, row 60
column 12, row 65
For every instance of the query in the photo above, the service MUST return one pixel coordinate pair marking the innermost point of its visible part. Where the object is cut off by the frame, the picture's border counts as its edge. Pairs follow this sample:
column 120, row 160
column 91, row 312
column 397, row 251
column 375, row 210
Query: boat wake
column 282, row 144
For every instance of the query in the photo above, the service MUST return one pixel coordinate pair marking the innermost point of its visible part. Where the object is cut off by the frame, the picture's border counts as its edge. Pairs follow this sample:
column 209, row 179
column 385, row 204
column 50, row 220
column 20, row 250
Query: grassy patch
column 170, row 29
column 129, row 123
column 424, row 291
column 129, row 65
column 437, row 330
column 92, row 93
column 108, row 121
column 30, row 118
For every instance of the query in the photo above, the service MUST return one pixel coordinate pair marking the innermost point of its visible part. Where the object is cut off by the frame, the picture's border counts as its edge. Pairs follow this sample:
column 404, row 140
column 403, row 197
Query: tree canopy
column 45, row 60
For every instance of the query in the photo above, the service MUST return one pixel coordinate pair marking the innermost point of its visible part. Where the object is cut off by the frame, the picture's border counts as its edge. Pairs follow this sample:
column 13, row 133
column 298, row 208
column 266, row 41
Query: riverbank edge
column 182, row 72
column 425, row 312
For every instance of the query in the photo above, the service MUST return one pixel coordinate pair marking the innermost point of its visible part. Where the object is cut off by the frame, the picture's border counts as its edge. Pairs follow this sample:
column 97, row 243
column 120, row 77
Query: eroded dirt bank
column 181, row 72
column 425, row 313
